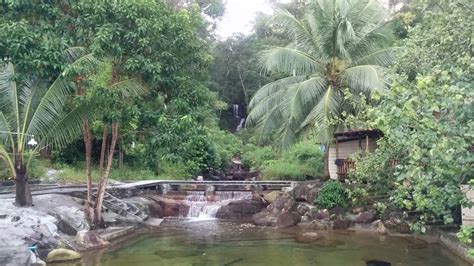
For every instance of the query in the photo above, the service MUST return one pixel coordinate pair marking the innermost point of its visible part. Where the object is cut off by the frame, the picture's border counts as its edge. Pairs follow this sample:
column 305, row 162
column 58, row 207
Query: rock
column 283, row 203
column 171, row 207
column 15, row 219
column 35, row 261
column 272, row 196
column 357, row 210
column 308, row 237
column 288, row 219
column 365, row 217
column 338, row 211
column 11, row 256
column 62, row 255
column 379, row 227
column 86, row 240
column 316, row 214
column 306, row 191
column 241, row 209
column 396, row 223
column 302, row 208
column 264, row 219
column 398, row 226
column 341, row 224
column 316, row 225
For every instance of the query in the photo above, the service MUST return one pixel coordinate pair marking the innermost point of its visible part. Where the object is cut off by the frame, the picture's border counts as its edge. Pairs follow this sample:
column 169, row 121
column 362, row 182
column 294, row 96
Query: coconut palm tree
column 30, row 110
column 338, row 45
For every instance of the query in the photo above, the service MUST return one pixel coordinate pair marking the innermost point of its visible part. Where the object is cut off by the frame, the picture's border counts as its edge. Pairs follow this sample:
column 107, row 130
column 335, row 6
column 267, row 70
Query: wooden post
column 337, row 149
column 367, row 143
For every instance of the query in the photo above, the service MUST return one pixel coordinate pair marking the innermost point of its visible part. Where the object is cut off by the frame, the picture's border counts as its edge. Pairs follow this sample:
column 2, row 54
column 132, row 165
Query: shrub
column 255, row 157
column 332, row 194
column 281, row 170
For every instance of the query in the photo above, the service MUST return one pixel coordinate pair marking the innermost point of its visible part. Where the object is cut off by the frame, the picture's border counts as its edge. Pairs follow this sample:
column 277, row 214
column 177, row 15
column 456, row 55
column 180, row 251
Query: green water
column 223, row 243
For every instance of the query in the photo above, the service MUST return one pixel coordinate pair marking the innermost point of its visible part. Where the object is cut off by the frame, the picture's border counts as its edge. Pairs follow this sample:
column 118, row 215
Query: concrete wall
column 468, row 213
column 346, row 149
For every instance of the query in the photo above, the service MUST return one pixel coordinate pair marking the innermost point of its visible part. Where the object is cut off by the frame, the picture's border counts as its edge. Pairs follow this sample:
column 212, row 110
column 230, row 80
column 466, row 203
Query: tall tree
column 337, row 45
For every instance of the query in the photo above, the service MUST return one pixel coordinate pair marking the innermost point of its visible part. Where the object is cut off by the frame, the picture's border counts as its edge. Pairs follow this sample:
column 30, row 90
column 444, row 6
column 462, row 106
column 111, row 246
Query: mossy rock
column 62, row 255
column 271, row 197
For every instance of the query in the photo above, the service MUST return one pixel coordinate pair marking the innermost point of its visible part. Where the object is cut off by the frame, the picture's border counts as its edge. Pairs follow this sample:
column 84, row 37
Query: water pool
column 225, row 243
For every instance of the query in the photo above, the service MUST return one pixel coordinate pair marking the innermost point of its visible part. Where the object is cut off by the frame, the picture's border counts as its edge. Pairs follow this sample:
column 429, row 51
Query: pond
column 226, row 243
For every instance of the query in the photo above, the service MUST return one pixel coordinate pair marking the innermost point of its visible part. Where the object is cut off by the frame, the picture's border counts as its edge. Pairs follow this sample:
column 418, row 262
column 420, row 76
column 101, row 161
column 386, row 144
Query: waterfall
column 238, row 118
column 241, row 124
column 202, row 207
column 235, row 110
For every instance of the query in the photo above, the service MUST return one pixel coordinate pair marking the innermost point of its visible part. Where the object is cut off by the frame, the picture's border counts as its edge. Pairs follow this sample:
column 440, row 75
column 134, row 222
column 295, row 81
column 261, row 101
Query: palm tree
column 33, row 109
column 337, row 45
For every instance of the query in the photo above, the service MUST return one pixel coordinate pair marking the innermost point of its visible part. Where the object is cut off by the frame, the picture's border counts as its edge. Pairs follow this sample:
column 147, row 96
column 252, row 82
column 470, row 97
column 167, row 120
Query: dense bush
column 332, row 194
column 302, row 161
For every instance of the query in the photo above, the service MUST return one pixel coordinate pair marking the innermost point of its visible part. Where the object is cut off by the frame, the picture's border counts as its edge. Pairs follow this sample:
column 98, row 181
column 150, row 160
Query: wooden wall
column 346, row 149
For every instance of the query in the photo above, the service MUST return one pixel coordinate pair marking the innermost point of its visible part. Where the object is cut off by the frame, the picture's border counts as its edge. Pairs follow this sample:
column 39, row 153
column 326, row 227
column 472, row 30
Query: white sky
column 239, row 15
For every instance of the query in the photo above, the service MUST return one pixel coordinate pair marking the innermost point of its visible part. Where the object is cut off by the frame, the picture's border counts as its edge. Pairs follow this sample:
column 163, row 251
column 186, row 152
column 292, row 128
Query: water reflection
column 226, row 243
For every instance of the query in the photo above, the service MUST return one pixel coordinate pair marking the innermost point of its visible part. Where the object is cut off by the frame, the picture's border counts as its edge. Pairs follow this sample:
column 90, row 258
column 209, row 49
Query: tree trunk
column 87, row 135
column 23, row 194
column 102, row 150
column 326, row 163
column 103, row 179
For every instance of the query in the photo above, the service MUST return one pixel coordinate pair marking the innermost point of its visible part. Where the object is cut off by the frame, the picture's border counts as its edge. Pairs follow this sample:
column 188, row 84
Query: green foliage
column 465, row 235
column 426, row 127
column 332, row 194
column 336, row 45
column 256, row 157
column 303, row 161
column 358, row 196
column 426, row 117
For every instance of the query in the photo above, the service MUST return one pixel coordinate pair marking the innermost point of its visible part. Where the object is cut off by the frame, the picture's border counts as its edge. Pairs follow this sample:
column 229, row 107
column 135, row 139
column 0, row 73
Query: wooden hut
column 346, row 144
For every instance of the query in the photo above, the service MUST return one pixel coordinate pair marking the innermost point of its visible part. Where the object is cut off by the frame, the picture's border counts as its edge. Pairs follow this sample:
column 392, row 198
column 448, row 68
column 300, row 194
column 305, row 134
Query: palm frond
column 273, row 87
column 5, row 156
column 68, row 127
column 290, row 60
column 50, row 107
column 364, row 78
column 380, row 57
column 296, row 29
column 128, row 88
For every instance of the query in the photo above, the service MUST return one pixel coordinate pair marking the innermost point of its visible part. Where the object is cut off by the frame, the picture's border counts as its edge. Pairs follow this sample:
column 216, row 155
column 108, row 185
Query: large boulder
column 264, row 219
column 284, row 203
column 288, row 219
column 365, row 217
column 271, row 197
column 86, row 240
column 396, row 223
column 170, row 207
column 306, row 191
column 341, row 224
column 241, row 209
column 62, row 255
column 147, row 205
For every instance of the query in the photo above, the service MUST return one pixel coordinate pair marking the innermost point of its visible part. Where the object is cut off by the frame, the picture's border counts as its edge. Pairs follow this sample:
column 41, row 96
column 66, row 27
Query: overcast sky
column 239, row 16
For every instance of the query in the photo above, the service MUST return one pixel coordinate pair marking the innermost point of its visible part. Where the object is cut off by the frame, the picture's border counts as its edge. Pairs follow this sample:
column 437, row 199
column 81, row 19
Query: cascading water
column 202, row 207
column 236, row 112
column 240, row 125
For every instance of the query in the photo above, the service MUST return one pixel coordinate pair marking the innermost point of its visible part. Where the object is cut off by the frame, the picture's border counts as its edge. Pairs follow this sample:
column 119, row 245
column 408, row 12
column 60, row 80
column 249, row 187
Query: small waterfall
column 202, row 207
column 240, row 125
column 235, row 110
